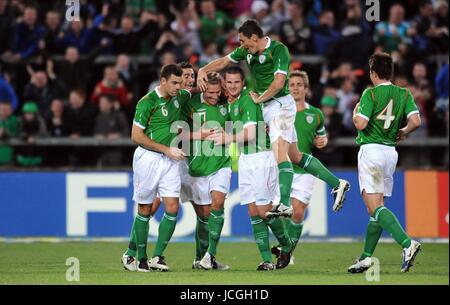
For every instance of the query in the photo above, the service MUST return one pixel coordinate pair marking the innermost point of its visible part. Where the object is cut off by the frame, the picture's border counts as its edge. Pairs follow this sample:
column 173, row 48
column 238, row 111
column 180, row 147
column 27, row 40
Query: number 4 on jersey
column 386, row 115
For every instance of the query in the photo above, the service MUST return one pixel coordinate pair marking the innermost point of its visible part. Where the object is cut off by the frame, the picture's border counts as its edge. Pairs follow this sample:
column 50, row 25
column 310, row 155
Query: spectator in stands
column 111, row 84
column 261, row 12
column 430, row 37
column 52, row 32
column 128, row 38
column 57, row 122
column 27, row 35
column 7, row 93
column 442, row 89
column 82, row 37
column 209, row 53
column 325, row 35
column 110, row 124
column 7, row 25
column 214, row 24
column 9, row 128
column 135, row 7
column 347, row 102
column 32, row 126
column 186, row 25
column 80, row 115
column 354, row 36
column 333, row 125
column 395, row 34
column 295, row 32
column 75, row 72
column 43, row 90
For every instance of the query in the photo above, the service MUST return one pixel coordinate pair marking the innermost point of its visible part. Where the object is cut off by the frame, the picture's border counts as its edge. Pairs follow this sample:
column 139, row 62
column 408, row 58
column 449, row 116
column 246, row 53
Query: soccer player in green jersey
column 209, row 168
column 379, row 117
column 155, row 168
column 269, row 63
column 310, row 132
column 258, row 175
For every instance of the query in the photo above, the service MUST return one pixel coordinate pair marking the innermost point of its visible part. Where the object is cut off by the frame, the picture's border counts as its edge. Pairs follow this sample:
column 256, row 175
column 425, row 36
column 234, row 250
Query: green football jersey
column 385, row 107
column 263, row 67
column 156, row 115
column 205, row 158
column 244, row 112
column 309, row 123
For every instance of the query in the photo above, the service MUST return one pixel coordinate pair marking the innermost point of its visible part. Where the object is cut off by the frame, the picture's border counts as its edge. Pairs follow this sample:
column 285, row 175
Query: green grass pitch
column 315, row 263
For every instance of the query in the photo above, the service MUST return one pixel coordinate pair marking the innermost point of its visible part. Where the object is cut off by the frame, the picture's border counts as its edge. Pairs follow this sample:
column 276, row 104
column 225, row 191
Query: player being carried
column 269, row 62
column 378, row 118
column 155, row 168
column 258, row 180
column 209, row 168
column 310, row 132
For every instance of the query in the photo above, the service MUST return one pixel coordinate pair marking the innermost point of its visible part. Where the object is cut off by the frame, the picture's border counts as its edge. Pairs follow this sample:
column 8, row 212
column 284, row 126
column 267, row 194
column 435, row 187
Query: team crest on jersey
column 249, row 58
column 236, row 111
column 309, row 119
column 262, row 58
column 175, row 102
column 223, row 111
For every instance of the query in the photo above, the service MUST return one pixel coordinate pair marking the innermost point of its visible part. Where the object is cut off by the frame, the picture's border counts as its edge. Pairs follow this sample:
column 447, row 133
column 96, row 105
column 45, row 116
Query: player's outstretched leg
column 138, row 242
column 314, row 167
column 373, row 234
column 165, row 232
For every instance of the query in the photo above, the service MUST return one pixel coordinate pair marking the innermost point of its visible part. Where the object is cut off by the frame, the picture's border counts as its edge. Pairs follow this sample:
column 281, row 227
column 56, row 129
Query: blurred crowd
column 52, row 82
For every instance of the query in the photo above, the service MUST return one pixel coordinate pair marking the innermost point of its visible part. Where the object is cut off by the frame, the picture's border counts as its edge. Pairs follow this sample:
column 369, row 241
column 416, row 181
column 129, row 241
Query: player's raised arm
column 214, row 66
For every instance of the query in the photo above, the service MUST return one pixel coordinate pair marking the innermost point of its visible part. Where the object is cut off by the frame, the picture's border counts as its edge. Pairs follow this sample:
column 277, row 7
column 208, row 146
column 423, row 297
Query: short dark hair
column 234, row 70
column 250, row 27
column 382, row 64
column 172, row 69
column 185, row 65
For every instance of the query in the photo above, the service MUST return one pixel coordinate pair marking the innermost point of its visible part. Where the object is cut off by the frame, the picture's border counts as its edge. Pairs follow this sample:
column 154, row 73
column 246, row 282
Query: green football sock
column 140, row 228
column 285, row 177
column 165, row 232
column 278, row 229
column 373, row 234
column 201, row 237
column 215, row 224
column 132, row 245
column 390, row 223
column 261, row 235
column 314, row 167
column 294, row 231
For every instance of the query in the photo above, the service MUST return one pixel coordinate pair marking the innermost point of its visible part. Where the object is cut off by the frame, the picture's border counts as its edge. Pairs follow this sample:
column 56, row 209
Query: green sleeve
column 320, row 131
column 185, row 114
column 250, row 110
column 281, row 59
column 237, row 55
column 143, row 112
column 411, row 107
column 365, row 108
column 184, row 96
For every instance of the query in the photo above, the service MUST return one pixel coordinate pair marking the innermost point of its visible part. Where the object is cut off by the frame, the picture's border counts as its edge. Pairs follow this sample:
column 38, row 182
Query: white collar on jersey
column 269, row 41
column 384, row 84
column 157, row 92
column 202, row 99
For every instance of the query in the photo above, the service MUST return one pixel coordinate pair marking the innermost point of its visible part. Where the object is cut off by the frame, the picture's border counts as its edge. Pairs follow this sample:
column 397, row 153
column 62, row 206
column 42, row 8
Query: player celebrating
column 209, row 166
column 378, row 118
column 310, row 131
column 155, row 168
column 269, row 65
column 257, row 167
